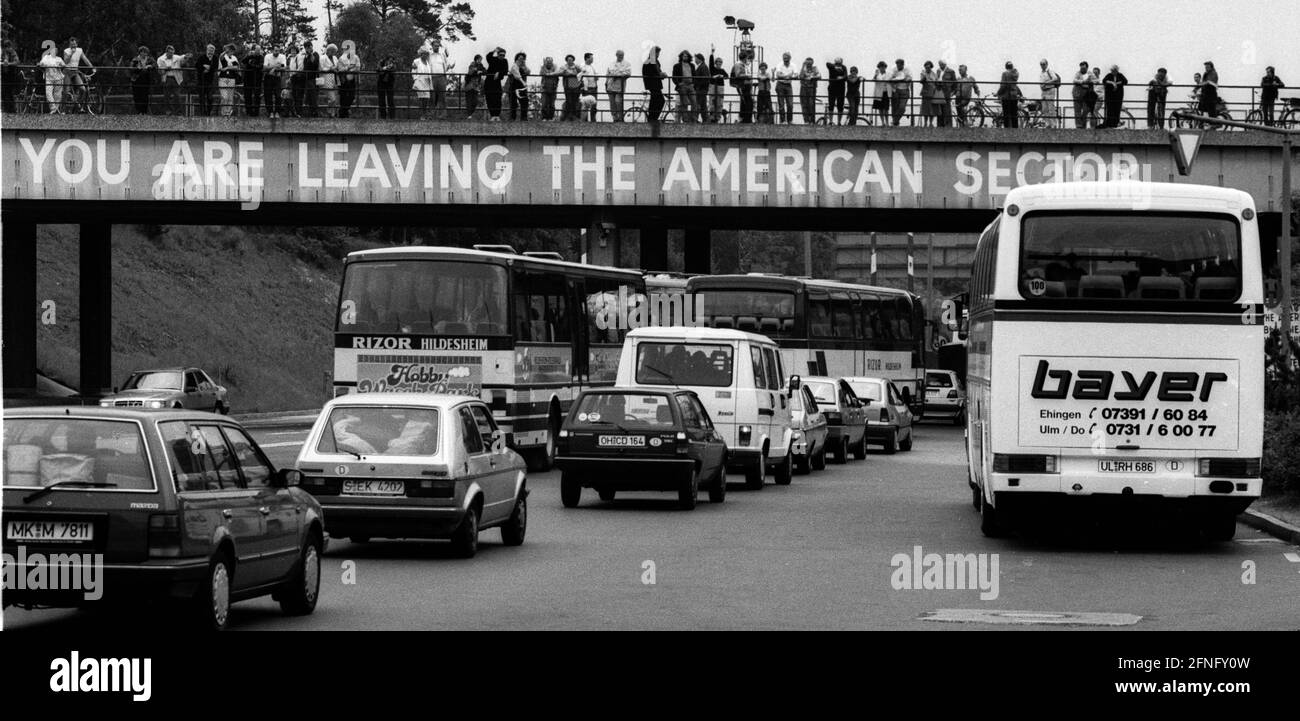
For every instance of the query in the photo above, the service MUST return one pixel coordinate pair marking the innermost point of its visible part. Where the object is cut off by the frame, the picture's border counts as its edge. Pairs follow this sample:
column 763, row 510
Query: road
column 813, row 555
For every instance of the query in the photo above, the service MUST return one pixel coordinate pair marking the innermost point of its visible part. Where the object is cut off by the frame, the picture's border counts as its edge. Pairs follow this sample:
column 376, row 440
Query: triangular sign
column 1185, row 144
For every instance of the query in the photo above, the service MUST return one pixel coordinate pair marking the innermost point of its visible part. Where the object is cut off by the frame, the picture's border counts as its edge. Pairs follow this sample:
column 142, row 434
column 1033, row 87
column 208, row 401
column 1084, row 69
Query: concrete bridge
column 98, row 171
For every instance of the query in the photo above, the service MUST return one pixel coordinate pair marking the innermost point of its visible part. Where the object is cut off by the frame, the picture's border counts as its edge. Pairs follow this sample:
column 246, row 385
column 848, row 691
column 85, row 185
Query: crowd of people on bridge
column 296, row 79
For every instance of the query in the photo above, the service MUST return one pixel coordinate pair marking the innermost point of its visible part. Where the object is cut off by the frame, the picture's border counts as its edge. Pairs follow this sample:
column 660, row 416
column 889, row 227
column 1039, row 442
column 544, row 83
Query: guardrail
column 110, row 90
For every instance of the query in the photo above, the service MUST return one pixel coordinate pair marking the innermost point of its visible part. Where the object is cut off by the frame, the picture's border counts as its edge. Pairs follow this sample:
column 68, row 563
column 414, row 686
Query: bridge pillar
column 602, row 243
column 96, row 258
column 654, row 247
column 699, row 250
column 20, row 307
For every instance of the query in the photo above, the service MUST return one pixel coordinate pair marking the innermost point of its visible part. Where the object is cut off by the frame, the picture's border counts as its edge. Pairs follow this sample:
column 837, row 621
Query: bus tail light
column 1230, row 467
column 743, row 435
column 1024, row 463
column 164, row 535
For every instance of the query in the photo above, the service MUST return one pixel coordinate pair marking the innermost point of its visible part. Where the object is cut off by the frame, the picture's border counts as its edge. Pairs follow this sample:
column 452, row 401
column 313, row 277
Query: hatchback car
column 810, row 432
column 944, row 396
column 629, row 439
column 190, row 388
column 167, row 503
column 846, row 416
column 889, row 419
column 415, row 465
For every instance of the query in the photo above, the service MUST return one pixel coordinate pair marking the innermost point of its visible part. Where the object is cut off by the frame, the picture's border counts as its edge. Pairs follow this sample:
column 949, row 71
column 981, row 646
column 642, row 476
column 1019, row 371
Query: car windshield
column 423, row 296
column 1147, row 256
column 684, row 364
column 42, row 452
column 938, row 380
column 822, row 391
column 625, row 409
column 867, row 390
column 154, row 380
column 380, row 431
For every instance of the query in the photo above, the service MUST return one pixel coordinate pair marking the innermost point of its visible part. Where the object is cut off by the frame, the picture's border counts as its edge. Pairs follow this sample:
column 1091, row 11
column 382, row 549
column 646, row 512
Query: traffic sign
column 1185, row 143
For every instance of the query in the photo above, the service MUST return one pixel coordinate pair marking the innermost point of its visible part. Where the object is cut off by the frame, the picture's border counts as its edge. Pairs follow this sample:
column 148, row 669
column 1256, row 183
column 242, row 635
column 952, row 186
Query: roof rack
column 497, row 248
column 544, row 254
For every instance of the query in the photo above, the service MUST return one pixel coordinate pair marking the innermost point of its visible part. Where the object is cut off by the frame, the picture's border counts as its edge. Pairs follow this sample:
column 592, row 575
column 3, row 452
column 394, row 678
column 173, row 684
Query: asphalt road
column 813, row 555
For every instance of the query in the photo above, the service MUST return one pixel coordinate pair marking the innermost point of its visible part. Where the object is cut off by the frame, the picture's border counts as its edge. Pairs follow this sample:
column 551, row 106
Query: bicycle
column 1194, row 106
column 84, row 97
column 31, row 96
column 1126, row 119
column 1288, row 117
column 980, row 112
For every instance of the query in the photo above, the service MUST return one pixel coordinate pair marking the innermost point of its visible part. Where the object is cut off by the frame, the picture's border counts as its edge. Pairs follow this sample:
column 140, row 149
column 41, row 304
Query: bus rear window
column 1138, row 256
column 768, row 312
column 435, row 297
column 684, row 364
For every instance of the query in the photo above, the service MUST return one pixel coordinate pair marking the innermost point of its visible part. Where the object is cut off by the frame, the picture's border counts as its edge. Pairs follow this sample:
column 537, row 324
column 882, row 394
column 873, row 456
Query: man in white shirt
column 274, row 65
column 785, row 75
column 587, row 78
column 440, row 65
column 52, row 66
column 616, row 84
column 900, row 90
column 169, row 68
column 1050, row 82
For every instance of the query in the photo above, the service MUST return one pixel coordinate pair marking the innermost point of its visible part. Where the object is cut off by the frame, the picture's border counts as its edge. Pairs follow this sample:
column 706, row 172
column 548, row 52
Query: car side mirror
column 191, row 389
column 286, row 478
column 907, row 396
column 795, row 383
column 115, row 389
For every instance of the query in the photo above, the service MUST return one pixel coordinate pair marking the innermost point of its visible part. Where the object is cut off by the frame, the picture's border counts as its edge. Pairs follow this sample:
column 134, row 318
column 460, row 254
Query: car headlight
column 155, row 404
column 106, row 404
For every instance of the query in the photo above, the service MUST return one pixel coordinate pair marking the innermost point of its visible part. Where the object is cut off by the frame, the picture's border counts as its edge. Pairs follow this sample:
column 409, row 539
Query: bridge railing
column 110, row 90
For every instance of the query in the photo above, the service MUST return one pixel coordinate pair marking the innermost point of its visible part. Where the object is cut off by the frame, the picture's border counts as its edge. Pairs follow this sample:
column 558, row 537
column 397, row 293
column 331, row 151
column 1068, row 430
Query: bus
column 824, row 327
column 523, row 332
column 1116, row 354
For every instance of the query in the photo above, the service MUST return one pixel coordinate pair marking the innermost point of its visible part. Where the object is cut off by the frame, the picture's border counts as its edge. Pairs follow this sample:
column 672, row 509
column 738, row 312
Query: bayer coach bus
column 523, row 332
column 1116, row 353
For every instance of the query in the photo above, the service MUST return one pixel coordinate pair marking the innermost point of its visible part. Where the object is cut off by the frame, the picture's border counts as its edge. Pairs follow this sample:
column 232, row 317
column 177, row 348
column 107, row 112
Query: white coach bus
column 1116, row 353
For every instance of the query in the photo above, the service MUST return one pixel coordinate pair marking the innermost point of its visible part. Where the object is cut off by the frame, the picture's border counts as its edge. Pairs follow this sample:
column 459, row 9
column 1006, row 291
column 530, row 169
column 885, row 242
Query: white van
column 739, row 378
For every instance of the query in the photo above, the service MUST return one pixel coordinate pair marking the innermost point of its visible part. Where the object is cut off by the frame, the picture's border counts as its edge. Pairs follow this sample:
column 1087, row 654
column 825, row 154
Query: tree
column 111, row 31
column 435, row 18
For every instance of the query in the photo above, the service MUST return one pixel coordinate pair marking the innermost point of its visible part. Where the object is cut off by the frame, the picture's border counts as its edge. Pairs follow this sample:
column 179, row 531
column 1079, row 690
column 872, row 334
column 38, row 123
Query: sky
column 1241, row 36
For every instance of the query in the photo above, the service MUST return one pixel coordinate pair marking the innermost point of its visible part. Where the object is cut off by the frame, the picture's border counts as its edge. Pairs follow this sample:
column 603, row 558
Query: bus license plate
column 55, row 531
column 1109, row 466
column 620, row 441
column 374, row 488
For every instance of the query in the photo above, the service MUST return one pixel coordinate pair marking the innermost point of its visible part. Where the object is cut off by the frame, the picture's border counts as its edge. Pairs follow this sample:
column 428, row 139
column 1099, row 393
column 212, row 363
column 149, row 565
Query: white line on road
column 975, row 615
column 285, row 433
column 280, row 445
column 1292, row 557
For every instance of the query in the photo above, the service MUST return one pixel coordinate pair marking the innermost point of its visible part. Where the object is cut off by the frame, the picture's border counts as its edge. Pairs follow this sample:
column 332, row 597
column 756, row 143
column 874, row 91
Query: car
column 179, row 387
column 631, row 439
column 415, row 465
column 740, row 380
column 889, row 419
column 944, row 396
column 846, row 416
column 810, row 432
column 177, row 504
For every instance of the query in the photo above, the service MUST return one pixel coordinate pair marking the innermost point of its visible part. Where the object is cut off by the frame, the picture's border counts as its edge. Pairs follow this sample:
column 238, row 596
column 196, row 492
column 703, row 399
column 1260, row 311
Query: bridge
column 101, row 171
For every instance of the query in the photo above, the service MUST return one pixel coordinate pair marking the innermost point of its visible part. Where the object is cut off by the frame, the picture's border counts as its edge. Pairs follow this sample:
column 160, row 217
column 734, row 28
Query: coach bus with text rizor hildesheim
column 824, row 327
column 522, row 332
column 1116, row 354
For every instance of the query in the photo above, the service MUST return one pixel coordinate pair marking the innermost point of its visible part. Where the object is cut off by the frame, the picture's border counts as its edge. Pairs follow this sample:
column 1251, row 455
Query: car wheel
column 1220, row 527
column 842, row 451
column 906, row 445
column 803, row 465
column 819, row 459
column 211, row 605
column 756, row 475
column 512, row 534
column 992, row 523
column 570, row 491
column 891, row 443
column 542, row 459
column 606, row 494
column 299, row 594
column 785, row 472
column 718, row 491
column 464, row 542
column 688, row 493
column 975, row 497
column 860, row 448
column 960, row 418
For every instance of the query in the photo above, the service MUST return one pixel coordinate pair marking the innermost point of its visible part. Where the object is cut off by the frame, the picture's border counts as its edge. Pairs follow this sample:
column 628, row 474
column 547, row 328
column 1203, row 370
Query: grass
column 254, row 307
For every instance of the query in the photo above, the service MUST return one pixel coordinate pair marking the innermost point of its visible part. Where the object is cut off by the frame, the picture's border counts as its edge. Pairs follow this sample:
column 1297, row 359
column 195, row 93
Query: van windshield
column 1143, row 256
column 378, row 431
column 684, row 364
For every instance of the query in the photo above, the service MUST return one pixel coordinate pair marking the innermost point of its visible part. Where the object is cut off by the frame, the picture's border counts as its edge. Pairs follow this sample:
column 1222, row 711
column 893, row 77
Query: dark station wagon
column 628, row 439
column 155, row 504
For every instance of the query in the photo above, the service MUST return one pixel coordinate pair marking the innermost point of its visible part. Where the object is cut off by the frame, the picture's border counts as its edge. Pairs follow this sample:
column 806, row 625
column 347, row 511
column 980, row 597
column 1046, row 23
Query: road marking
column 285, row 433
column 1260, row 540
column 1068, row 618
column 280, row 445
column 1292, row 557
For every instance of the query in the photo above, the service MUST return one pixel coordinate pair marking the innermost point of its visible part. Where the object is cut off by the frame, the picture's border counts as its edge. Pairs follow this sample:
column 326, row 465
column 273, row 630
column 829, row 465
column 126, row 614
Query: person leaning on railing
column 1157, row 93
column 141, row 75
column 900, row 90
column 171, row 76
column 785, row 74
column 274, row 64
column 966, row 88
column 808, row 77
column 616, row 85
column 497, row 71
column 11, row 76
column 253, row 62
column 385, row 87
column 348, row 70
column 473, row 85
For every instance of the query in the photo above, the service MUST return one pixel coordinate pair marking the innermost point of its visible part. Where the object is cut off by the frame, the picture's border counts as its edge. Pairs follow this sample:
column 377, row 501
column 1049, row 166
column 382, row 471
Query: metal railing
column 109, row 90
